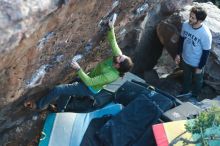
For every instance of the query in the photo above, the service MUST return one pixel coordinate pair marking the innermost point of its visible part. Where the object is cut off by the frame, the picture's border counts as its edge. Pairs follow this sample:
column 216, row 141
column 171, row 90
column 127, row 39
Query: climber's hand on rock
column 75, row 65
column 112, row 20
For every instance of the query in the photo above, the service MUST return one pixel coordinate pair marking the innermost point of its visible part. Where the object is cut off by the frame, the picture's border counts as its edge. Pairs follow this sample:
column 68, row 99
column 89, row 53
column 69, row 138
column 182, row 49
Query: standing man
column 195, row 40
column 91, row 84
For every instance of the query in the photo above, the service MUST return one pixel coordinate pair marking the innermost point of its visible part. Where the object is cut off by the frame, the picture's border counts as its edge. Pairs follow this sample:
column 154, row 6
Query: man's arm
column 180, row 47
column 102, row 79
column 204, row 58
column 112, row 40
column 180, row 50
column 111, row 37
column 206, row 45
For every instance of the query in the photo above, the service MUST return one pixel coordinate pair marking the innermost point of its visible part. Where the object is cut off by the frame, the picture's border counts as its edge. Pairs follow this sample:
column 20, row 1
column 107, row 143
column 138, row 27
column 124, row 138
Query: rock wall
column 41, row 60
column 38, row 46
column 18, row 20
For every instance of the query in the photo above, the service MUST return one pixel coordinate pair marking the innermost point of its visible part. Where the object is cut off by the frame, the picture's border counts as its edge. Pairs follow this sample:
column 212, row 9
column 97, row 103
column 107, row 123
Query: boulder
column 40, row 38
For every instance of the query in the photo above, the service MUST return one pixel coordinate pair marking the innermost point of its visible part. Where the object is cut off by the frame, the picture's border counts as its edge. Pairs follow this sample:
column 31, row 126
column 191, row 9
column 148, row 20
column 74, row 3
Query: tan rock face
column 40, row 55
column 41, row 59
column 18, row 19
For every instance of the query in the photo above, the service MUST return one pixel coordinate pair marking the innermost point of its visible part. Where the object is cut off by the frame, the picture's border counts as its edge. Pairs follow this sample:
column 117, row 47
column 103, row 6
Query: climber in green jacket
column 91, row 84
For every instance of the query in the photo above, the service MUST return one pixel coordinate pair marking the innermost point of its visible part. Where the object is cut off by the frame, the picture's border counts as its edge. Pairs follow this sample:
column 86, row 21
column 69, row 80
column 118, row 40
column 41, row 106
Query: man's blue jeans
column 192, row 80
column 61, row 94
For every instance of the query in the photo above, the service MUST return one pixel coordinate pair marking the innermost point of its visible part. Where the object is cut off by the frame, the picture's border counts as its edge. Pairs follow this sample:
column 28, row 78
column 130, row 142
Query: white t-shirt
column 195, row 41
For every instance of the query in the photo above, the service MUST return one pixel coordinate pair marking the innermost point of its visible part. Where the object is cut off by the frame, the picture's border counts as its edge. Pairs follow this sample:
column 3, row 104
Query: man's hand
column 198, row 71
column 75, row 65
column 112, row 20
column 177, row 59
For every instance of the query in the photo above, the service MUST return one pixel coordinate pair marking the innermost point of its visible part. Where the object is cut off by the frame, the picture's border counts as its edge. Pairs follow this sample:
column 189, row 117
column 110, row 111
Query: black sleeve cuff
column 203, row 59
column 180, row 48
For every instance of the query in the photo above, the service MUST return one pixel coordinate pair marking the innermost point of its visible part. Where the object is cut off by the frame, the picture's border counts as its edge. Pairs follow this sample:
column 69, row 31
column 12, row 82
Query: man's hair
column 199, row 12
column 125, row 66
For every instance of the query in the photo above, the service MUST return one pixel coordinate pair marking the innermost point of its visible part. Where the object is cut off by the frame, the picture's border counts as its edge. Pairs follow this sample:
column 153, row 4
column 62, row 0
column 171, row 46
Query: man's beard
column 192, row 23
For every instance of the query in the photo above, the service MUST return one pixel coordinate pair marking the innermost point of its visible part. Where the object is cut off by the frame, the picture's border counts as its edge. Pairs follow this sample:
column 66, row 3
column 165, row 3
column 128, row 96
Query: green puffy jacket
column 104, row 73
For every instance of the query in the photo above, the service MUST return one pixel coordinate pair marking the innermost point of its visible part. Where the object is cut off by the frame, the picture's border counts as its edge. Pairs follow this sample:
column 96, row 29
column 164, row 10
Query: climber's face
column 118, row 59
column 192, row 19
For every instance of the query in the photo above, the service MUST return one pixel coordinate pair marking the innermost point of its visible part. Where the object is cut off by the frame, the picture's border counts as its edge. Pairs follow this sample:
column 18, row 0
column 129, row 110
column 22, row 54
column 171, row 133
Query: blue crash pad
column 68, row 129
